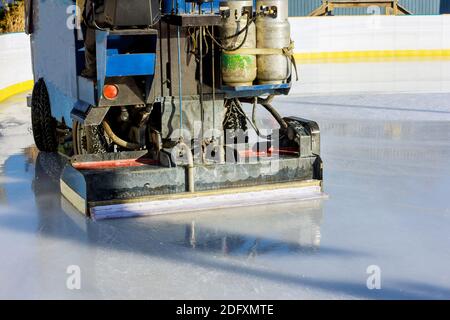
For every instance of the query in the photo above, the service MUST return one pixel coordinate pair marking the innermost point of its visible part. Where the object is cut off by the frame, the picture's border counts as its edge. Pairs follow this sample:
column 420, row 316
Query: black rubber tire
column 43, row 124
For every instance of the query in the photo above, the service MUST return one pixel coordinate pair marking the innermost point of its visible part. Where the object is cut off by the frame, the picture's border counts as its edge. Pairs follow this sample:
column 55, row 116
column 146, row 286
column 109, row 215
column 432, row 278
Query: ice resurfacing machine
column 168, row 121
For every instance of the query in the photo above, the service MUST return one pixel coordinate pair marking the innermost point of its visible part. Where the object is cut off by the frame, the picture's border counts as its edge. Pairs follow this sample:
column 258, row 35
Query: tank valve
column 269, row 11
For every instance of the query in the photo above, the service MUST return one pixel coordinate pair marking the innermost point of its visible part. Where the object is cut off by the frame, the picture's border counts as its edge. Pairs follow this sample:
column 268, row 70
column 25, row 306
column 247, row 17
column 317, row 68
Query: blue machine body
column 54, row 49
column 171, row 125
column 114, row 61
column 182, row 6
column 58, row 57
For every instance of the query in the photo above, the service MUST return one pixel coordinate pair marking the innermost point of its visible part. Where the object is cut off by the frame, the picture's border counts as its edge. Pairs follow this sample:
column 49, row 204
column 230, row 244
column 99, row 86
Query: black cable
column 92, row 19
column 253, row 124
column 228, row 48
column 247, row 26
column 240, row 31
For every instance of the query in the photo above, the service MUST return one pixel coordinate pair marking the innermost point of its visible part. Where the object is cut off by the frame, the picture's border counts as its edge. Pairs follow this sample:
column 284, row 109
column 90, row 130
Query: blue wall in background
column 445, row 6
column 304, row 7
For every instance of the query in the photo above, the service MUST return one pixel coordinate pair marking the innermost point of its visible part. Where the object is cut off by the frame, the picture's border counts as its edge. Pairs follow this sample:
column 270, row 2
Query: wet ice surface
column 388, row 176
column 374, row 77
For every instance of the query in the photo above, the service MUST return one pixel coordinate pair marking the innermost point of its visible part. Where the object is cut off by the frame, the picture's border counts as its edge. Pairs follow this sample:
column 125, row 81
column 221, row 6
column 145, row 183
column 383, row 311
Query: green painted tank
column 238, row 69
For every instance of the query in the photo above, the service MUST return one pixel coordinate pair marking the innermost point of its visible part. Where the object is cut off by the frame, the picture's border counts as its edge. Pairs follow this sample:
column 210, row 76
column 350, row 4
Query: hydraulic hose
column 120, row 142
column 266, row 103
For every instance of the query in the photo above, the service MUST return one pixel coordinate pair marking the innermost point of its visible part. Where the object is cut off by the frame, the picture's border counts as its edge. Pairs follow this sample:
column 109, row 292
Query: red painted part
column 282, row 151
column 124, row 163
column 285, row 151
column 251, row 153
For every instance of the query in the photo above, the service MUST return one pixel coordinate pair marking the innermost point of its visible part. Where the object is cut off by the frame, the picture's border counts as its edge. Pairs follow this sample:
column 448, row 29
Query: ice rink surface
column 387, row 173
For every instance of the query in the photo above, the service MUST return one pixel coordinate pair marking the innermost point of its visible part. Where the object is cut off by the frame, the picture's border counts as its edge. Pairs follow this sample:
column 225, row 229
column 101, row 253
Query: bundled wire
column 193, row 35
column 236, row 118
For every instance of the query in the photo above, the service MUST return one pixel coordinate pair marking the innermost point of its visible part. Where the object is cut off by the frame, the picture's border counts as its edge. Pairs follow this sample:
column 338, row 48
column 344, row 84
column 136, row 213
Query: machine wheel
column 44, row 125
column 90, row 139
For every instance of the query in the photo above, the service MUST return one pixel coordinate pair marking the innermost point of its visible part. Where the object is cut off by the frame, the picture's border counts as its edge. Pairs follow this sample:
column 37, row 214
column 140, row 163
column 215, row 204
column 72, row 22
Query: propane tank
column 273, row 32
column 238, row 69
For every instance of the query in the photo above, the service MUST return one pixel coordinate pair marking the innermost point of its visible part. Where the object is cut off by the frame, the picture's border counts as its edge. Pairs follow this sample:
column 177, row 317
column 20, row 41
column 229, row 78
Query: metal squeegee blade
column 206, row 202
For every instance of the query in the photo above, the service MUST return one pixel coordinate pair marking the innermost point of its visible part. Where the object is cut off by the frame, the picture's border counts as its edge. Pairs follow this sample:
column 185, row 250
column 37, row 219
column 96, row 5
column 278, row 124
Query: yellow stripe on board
column 310, row 58
column 14, row 89
column 371, row 56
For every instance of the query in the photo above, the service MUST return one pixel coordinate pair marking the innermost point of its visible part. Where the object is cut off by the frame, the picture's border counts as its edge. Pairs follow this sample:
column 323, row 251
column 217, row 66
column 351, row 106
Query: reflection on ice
column 248, row 231
column 250, row 234
column 388, row 183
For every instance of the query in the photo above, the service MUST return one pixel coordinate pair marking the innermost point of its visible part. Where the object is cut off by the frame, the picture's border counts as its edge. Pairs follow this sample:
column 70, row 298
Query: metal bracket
column 95, row 116
column 312, row 129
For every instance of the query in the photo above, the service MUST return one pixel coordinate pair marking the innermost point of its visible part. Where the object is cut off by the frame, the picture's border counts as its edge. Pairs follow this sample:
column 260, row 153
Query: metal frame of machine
column 392, row 7
column 163, row 120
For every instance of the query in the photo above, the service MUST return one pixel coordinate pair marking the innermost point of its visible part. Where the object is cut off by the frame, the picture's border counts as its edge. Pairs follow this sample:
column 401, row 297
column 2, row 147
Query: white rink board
column 317, row 34
column 363, row 33
column 15, row 59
